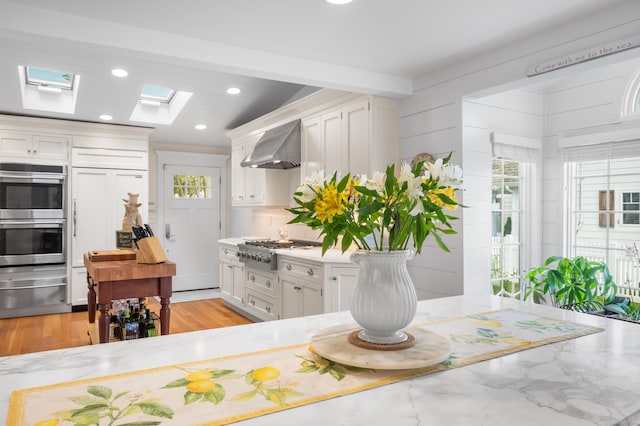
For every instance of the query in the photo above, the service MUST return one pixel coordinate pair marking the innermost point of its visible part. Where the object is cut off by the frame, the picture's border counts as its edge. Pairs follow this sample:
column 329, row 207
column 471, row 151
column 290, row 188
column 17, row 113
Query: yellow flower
column 330, row 204
column 449, row 192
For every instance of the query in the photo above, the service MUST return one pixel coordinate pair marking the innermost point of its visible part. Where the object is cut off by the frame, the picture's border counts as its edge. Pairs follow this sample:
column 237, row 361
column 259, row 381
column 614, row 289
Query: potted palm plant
column 574, row 283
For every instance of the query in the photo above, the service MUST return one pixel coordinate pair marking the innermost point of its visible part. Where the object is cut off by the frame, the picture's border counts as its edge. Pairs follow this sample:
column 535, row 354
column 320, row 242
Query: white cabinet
column 361, row 136
column 310, row 288
column 251, row 186
column 300, row 297
column 34, row 147
column 321, row 141
column 247, row 182
column 302, row 287
column 263, row 295
column 339, row 284
column 97, row 209
column 232, row 276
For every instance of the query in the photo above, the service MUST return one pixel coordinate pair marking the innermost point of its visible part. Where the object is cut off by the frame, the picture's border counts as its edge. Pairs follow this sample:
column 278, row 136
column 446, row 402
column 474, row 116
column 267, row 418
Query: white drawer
column 262, row 306
column 228, row 252
column 263, row 281
column 308, row 271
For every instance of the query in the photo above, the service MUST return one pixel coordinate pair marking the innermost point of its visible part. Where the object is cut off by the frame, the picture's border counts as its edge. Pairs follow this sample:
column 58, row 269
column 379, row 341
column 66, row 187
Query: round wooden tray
column 333, row 343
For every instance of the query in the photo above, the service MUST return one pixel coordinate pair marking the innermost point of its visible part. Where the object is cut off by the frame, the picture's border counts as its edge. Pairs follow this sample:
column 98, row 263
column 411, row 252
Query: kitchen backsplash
column 267, row 222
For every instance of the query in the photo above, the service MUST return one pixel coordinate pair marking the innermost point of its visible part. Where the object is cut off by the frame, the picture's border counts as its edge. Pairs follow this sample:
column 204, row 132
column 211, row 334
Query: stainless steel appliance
column 33, row 290
column 32, row 191
column 261, row 254
column 33, row 272
column 32, row 242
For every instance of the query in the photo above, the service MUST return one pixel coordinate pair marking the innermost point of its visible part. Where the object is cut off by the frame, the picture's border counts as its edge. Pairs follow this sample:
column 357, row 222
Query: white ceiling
column 271, row 49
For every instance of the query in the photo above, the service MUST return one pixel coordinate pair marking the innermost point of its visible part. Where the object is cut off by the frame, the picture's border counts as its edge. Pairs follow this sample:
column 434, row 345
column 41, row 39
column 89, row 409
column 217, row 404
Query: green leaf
column 88, row 400
column 245, row 396
column 156, row 409
column 216, row 395
column 100, row 392
column 120, row 395
column 338, row 375
column 276, row 396
column 221, row 373
column 307, row 369
column 86, row 419
column 191, row 397
column 176, row 383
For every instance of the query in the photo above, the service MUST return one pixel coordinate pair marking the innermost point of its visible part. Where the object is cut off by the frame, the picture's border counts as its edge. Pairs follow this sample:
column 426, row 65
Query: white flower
column 405, row 173
column 307, row 193
column 451, row 175
column 316, row 180
column 435, row 169
column 310, row 185
column 418, row 209
column 376, row 183
column 414, row 188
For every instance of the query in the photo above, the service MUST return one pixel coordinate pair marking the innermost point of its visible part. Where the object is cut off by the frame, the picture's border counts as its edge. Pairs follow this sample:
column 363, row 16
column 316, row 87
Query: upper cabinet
column 254, row 186
column 28, row 147
column 360, row 136
column 341, row 131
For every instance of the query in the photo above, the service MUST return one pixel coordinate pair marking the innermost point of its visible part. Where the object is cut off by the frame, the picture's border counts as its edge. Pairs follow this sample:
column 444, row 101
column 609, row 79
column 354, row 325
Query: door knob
column 167, row 231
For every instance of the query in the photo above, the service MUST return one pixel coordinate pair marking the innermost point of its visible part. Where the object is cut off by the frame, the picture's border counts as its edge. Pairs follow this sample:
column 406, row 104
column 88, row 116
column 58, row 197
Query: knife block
column 150, row 251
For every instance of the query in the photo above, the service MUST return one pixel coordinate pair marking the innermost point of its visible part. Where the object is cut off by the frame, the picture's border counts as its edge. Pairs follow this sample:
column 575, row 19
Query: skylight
column 157, row 94
column 49, row 78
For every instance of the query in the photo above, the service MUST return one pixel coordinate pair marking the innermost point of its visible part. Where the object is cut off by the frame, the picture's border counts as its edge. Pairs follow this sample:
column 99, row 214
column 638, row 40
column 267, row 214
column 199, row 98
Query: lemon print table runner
column 229, row 389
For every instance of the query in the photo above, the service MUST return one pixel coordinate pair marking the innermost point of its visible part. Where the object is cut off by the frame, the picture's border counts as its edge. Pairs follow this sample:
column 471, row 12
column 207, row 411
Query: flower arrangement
column 384, row 212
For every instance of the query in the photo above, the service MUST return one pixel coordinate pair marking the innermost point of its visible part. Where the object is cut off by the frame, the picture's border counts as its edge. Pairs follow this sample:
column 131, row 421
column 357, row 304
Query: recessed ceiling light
column 201, row 126
column 106, row 117
column 338, row 2
column 233, row 90
column 119, row 72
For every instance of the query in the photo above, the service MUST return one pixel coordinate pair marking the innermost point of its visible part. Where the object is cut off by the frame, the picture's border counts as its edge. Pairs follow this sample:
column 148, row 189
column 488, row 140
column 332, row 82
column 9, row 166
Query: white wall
column 432, row 121
column 589, row 102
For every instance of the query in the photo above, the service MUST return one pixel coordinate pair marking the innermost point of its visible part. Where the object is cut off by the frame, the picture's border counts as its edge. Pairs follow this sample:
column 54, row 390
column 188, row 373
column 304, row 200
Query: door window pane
column 191, row 187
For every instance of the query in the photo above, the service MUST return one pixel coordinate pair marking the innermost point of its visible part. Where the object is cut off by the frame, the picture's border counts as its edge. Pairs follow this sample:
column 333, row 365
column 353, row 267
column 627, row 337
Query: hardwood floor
column 57, row 331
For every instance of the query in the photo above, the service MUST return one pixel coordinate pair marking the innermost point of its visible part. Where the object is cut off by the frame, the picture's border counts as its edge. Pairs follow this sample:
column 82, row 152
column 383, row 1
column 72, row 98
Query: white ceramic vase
column 384, row 300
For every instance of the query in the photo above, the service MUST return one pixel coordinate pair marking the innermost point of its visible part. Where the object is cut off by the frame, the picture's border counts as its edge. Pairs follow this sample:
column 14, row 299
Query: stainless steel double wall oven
column 33, row 273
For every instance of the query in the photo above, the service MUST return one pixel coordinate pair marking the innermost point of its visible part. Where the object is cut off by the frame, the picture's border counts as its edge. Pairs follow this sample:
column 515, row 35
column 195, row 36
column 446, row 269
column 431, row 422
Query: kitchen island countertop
column 589, row 380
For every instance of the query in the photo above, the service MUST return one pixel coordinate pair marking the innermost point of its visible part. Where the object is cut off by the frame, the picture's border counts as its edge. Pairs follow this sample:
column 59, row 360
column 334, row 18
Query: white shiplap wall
column 432, row 121
column 589, row 102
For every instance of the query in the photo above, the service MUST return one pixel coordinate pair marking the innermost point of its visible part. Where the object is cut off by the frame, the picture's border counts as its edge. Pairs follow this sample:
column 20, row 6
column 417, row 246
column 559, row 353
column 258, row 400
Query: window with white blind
column 603, row 200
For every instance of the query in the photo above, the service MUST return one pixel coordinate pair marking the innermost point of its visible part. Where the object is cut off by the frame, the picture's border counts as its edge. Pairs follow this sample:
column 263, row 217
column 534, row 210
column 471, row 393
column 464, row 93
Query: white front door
column 192, row 224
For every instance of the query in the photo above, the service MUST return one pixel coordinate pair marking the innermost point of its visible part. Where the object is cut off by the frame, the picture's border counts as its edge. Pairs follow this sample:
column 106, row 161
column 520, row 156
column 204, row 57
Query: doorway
column 191, row 206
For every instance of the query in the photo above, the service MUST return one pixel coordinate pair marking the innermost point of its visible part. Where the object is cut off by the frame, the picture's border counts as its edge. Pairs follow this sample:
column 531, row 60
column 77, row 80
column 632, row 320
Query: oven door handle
column 48, row 179
column 31, row 224
column 33, row 286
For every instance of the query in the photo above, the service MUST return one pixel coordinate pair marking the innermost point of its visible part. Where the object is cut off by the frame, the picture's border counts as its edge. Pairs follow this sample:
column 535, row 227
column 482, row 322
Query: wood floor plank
column 58, row 331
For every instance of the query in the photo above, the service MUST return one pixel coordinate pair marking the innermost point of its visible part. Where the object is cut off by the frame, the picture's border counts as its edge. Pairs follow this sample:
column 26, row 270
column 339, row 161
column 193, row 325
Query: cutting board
column 110, row 255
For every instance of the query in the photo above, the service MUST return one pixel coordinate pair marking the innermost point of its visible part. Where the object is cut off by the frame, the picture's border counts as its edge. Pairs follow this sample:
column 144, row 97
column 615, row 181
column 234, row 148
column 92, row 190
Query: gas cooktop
column 279, row 244
column 262, row 253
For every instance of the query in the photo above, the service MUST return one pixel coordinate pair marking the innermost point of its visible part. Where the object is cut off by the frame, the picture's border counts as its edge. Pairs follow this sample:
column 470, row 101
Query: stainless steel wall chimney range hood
column 278, row 148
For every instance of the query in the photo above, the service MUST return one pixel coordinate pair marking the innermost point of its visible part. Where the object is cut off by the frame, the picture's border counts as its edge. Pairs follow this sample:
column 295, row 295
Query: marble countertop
column 590, row 380
column 313, row 254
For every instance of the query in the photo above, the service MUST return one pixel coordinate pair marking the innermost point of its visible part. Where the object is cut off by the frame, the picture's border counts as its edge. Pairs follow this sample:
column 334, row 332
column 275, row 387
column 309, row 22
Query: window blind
column 513, row 147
